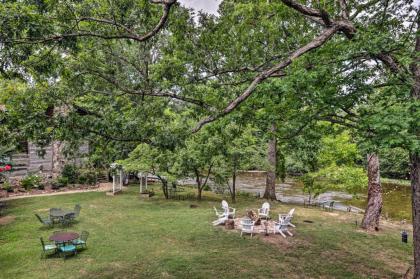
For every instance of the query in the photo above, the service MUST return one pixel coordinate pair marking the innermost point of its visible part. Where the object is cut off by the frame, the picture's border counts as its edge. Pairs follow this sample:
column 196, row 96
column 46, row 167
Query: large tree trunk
column 199, row 186
column 58, row 158
column 415, row 156
column 374, row 205
column 165, row 188
column 270, row 185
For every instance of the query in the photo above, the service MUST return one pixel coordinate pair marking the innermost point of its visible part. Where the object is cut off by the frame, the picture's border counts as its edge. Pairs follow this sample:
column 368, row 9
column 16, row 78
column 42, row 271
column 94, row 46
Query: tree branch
column 320, row 40
column 130, row 35
column 333, row 27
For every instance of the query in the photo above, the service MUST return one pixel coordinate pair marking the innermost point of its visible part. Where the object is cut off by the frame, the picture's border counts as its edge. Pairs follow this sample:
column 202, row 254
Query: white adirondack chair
column 288, row 217
column 247, row 226
column 264, row 211
column 218, row 214
column 229, row 211
column 281, row 227
column 220, row 221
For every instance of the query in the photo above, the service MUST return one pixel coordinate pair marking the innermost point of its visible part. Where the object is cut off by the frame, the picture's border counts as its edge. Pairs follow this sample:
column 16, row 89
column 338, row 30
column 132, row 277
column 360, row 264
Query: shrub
column 88, row 177
column 82, row 178
column 61, row 181
column 7, row 186
column 71, row 173
column 32, row 181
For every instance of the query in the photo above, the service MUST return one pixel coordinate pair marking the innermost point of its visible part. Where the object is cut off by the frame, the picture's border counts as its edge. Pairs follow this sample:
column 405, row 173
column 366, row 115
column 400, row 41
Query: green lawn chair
column 82, row 240
column 76, row 212
column 44, row 221
column 48, row 249
column 54, row 218
column 67, row 219
column 67, row 249
column 77, row 209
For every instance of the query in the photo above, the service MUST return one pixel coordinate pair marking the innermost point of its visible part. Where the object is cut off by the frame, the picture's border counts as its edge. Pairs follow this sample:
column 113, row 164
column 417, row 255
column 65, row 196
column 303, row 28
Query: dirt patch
column 7, row 219
column 396, row 264
column 277, row 241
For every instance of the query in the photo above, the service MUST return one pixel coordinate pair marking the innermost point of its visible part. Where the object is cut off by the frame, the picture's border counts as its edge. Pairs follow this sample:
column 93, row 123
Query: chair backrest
column 39, row 218
column 247, row 223
column 291, row 212
column 225, row 205
column 42, row 243
column 84, row 235
column 287, row 219
column 69, row 216
column 77, row 209
column 266, row 205
column 282, row 225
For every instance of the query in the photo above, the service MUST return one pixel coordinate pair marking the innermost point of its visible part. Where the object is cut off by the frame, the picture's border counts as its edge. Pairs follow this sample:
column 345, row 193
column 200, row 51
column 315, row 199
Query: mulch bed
column 34, row 192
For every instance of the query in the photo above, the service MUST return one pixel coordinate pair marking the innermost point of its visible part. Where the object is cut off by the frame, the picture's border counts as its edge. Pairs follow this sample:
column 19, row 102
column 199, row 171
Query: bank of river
column 396, row 197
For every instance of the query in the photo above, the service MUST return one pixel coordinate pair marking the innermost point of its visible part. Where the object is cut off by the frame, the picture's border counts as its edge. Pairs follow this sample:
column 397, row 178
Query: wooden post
column 146, row 179
column 113, row 183
column 141, row 182
column 121, row 179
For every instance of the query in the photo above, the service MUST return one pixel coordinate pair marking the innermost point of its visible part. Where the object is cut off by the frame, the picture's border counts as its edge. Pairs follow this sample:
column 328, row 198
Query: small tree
column 198, row 157
column 240, row 150
column 148, row 159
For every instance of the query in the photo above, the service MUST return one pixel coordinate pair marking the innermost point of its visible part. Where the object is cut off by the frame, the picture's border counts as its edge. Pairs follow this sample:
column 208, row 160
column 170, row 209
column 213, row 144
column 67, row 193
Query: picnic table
column 64, row 237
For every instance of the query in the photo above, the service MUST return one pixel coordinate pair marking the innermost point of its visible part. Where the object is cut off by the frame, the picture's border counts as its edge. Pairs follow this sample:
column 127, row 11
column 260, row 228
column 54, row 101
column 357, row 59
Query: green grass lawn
column 133, row 238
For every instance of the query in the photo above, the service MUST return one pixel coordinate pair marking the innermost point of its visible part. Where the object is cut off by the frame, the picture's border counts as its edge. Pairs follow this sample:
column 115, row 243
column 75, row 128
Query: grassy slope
column 131, row 238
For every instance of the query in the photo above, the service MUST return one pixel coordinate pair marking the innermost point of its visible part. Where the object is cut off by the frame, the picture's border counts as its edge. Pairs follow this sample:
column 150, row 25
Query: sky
column 209, row 6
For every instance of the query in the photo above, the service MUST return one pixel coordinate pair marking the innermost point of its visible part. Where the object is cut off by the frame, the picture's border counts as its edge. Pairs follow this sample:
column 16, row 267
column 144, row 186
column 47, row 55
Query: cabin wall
column 48, row 160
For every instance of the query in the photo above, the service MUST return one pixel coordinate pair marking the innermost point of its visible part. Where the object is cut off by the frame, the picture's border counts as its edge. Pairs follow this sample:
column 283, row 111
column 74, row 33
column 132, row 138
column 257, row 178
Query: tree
column 415, row 152
column 270, row 190
column 330, row 28
column 240, row 151
column 198, row 157
column 374, row 206
column 147, row 159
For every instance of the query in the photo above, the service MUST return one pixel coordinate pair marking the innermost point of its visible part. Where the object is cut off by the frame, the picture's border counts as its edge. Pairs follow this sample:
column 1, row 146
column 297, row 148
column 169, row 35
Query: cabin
column 48, row 160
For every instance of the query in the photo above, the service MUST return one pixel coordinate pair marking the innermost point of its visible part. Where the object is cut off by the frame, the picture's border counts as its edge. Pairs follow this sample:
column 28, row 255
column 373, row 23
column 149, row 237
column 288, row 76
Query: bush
column 88, row 177
column 61, row 181
column 32, row 181
column 71, row 173
column 82, row 179
column 7, row 186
